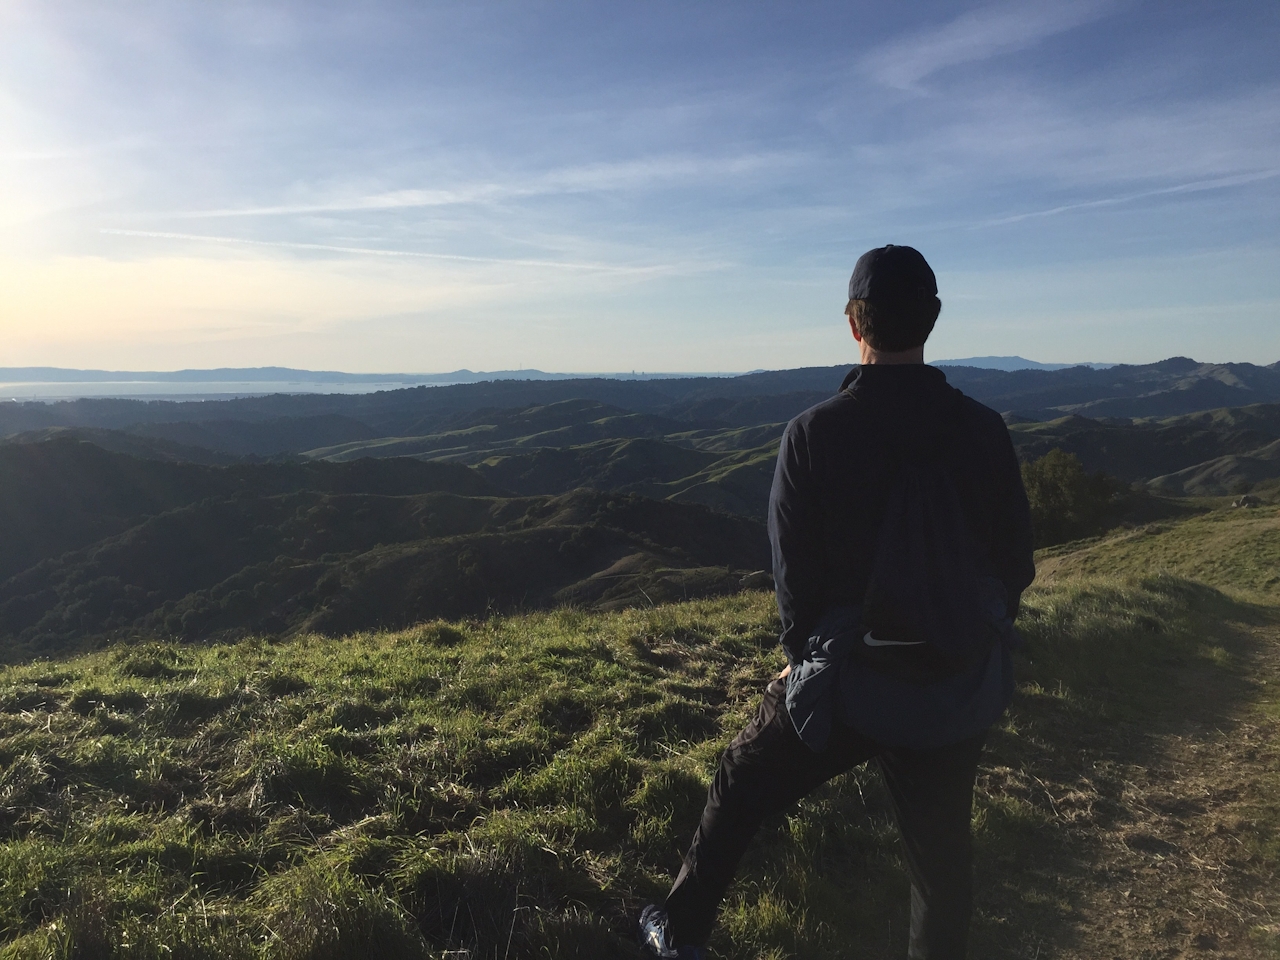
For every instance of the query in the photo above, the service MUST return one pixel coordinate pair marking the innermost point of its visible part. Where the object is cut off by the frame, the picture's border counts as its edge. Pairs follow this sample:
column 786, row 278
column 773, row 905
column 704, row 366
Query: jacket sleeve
column 795, row 536
column 1012, row 548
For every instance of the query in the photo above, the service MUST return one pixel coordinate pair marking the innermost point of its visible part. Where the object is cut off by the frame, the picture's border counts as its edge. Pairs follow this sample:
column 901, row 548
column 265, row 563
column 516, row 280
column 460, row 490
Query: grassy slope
column 1233, row 549
column 517, row 787
column 1225, row 475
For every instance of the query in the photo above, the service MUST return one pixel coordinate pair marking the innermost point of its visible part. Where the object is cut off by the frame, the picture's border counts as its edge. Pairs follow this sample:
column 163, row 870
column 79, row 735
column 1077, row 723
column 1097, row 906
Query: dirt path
column 1166, row 838
column 1194, row 859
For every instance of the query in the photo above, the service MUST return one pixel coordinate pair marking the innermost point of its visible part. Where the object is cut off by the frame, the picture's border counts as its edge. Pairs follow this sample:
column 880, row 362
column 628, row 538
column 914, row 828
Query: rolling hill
column 466, row 436
column 1122, row 419
column 233, row 521
column 262, row 438
column 118, row 441
column 100, row 544
column 64, row 493
column 1141, row 449
column 1231, row 474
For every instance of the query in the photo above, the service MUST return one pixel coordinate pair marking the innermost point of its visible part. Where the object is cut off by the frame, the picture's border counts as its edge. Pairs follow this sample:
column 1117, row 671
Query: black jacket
column 834, row 472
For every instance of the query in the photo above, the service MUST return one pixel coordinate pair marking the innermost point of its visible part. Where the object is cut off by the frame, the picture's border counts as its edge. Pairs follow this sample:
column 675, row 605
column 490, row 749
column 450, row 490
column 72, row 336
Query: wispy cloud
column 390, row 200
column 977, row 35
column 67, row 151
column 588, row 178
column 411, row 254
column 1015, row 147
column 1217, row 183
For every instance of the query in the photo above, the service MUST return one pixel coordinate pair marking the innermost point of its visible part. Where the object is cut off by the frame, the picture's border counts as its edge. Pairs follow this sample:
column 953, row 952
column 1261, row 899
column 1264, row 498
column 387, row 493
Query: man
column 851, row 694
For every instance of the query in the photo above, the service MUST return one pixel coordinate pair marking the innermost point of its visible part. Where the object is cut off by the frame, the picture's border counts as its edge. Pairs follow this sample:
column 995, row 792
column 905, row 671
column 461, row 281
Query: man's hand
column 786, row 671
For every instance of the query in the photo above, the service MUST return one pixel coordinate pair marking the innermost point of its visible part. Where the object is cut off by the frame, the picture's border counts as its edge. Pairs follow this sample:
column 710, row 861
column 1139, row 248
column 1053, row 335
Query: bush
column 1066, row 502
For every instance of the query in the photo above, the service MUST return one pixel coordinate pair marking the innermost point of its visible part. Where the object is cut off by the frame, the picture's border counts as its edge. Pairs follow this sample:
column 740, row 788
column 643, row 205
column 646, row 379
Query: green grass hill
column 1146, row 448
column 518, row 786
column 1230, row 474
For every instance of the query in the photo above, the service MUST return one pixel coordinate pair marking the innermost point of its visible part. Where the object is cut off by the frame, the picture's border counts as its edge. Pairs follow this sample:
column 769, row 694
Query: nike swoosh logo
column 871, row 641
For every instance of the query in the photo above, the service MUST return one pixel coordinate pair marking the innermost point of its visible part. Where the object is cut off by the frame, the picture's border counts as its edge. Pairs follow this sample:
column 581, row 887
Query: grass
column 1236, row 550
column 520, row 786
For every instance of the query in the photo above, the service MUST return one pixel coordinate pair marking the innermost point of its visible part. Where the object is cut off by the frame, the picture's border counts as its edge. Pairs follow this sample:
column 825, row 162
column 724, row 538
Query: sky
column 657, row 186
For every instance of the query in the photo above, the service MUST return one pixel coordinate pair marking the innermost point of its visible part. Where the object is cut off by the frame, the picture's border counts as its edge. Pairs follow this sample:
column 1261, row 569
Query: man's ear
column 853, row 327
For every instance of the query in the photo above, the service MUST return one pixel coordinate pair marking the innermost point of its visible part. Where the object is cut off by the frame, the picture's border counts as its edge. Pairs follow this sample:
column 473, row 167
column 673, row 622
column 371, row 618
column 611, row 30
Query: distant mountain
column 1171, row 387
column 1015, row 363
column 277, row 375
column 220, row 374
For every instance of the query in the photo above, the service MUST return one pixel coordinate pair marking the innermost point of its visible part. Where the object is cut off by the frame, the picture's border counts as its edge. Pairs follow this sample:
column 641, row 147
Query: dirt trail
column 1168, row 835
column 1201, row 816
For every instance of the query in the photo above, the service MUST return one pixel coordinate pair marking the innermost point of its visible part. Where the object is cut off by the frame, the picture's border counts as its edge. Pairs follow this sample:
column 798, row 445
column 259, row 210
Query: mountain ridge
column 1015, row 363
column 1173, row 386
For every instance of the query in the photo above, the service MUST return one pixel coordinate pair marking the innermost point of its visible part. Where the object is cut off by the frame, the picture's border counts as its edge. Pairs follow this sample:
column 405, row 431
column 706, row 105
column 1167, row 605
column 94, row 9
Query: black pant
column 767, row 768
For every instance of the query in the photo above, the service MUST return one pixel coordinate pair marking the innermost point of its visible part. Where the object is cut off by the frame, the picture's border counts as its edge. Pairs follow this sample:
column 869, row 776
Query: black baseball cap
column 892, row 273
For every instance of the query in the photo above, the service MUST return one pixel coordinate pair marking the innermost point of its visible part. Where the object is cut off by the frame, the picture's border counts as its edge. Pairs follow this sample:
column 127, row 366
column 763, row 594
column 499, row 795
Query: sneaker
column 656, row 941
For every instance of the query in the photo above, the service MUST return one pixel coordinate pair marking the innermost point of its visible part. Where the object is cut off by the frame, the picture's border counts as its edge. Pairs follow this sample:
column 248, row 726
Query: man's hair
column 894, row 326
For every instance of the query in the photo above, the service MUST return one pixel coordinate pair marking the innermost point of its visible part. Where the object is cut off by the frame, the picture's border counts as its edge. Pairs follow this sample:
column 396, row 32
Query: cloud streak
column 1218, row 183
column 588, row 178
column 605, row 268
column 976, row 36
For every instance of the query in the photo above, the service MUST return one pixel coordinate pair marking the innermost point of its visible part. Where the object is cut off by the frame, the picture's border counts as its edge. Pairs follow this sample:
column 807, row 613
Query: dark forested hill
column 64, row 493
column 118, row 441
column 263, row 438
column 95, row 544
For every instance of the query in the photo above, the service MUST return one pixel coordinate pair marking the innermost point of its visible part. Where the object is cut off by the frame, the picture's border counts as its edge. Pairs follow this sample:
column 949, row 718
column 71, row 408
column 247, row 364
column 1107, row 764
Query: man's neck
column 870, row 355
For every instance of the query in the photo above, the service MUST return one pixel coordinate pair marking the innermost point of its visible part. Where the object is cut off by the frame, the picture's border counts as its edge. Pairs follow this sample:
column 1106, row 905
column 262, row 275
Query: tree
column 1066, row 502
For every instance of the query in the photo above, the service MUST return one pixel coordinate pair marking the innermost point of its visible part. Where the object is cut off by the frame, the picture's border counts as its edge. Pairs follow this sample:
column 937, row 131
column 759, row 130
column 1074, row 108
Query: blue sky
column 649, row 186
